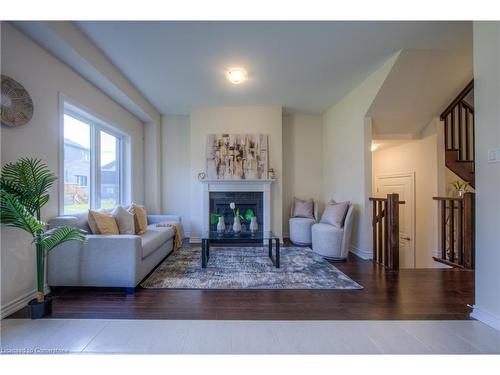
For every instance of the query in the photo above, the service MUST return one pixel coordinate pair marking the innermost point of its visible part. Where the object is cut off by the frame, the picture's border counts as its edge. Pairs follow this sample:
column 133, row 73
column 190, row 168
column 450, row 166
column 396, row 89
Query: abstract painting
column 237, row 156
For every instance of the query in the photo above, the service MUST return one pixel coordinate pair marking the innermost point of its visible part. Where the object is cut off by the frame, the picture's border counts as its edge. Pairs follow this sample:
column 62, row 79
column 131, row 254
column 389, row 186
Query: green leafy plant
column 249, row 214
column 214, row 218
column 460, row 185
column 24, row 190
column 236, row 212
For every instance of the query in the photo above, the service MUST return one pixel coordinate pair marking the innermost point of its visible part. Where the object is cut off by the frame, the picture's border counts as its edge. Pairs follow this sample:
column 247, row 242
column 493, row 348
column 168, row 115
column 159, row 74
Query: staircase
column 458, row 120
column 457, row 215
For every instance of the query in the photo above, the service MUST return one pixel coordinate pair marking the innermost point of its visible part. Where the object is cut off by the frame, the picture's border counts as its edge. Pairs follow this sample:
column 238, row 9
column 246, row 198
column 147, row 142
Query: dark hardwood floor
column 407, row 294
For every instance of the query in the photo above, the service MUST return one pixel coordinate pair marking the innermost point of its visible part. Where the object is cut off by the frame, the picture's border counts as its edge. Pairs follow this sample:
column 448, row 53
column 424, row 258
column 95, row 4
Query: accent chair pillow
column 140, row 218
column 335, row 214
column 124, row 219
column 303, row 208
column 102, row 223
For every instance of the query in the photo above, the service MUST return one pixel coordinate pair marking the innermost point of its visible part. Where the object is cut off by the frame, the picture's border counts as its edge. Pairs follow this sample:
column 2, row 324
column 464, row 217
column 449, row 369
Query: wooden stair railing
column 457, row 231
column 458, row 120
column 385, row 225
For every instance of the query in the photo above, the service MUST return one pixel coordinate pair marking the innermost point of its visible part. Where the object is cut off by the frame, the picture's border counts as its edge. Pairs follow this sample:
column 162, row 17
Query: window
column 110, row 176
column 92, row 162
column 81, row 180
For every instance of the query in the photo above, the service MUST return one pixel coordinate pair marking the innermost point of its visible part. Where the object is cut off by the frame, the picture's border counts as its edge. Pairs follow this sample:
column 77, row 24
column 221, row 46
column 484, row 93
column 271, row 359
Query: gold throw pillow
column 140, row 218
column 102, row 223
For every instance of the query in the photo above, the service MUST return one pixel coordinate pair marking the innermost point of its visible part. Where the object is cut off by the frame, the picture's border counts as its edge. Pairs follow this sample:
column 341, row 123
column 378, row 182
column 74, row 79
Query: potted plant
column 24, row 191
column 460, row 187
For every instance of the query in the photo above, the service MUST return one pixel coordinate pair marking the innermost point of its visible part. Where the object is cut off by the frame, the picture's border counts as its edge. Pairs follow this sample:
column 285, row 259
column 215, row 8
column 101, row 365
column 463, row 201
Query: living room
column 230, row 179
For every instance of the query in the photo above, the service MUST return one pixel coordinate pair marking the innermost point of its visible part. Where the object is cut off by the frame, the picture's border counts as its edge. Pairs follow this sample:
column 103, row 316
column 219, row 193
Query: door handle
column 405, row 238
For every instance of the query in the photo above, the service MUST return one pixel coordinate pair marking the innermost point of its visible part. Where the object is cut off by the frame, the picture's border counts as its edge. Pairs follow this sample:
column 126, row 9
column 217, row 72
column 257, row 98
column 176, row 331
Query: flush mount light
column 236, row 75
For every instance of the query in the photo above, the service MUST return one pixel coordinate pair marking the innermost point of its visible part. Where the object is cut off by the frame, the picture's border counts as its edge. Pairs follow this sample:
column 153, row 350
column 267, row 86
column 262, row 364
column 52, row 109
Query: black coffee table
column 240, row 238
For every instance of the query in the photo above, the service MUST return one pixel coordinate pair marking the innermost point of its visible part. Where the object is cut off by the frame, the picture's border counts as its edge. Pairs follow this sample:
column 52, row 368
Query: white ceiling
column 420, row 85
column 302, row 66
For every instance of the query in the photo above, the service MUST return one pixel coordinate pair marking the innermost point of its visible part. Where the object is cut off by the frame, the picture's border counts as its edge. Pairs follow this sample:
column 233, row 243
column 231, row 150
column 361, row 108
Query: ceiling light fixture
column 236, row 75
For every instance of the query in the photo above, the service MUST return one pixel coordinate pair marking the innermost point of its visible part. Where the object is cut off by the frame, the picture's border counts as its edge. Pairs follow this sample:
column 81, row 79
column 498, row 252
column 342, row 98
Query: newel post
column 393, row 231
column 468, row 224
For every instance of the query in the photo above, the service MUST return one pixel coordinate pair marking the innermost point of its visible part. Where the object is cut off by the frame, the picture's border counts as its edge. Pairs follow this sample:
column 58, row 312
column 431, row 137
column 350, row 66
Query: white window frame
column 97, row 124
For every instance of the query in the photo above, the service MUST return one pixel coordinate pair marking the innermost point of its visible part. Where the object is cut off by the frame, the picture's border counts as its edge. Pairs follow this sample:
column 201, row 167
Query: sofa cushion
column 102, row 223
column 124, row 219
column 153, row 238
column 82, row 221
column 141, row 218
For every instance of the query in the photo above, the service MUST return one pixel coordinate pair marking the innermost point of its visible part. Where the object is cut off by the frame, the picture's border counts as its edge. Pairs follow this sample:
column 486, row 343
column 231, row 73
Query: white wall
column 45, row 77
column 347, row 155
column 152, row 168
column 236, row 120
column 487, row 133
column 176, row 176
column 420, row 157
column 302, row 161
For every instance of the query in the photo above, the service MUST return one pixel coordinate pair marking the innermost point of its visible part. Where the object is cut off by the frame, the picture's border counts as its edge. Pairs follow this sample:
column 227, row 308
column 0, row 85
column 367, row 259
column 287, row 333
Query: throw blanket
column 178, row 232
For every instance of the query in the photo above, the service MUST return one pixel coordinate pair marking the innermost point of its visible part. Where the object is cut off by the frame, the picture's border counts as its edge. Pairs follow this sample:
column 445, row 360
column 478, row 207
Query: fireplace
column 255, row 194
column 245, row 200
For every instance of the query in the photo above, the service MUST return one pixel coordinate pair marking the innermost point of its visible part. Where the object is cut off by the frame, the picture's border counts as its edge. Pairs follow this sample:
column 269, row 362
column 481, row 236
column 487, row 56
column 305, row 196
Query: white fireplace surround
column 238, row 185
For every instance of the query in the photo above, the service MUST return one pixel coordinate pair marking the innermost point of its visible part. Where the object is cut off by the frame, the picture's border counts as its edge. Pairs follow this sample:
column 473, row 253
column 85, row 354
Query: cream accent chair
column 300, row 227
column 331, row 242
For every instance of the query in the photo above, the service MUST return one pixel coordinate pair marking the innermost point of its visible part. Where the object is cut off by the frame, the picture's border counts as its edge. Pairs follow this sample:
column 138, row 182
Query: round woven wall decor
column 17, row 106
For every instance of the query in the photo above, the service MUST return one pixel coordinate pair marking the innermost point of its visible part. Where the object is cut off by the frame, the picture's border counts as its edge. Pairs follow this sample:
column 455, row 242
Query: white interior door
column 404, row 185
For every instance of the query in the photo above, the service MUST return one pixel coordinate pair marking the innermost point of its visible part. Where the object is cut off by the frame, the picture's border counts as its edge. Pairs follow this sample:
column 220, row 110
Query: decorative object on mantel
column 237, row 156
column 460, row 187
column 202, row 176
column 271, row 174
column 16, row 103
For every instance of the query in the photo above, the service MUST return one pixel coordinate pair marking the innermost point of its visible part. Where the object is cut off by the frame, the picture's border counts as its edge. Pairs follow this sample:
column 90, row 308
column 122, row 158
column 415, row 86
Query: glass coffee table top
column 243, row 236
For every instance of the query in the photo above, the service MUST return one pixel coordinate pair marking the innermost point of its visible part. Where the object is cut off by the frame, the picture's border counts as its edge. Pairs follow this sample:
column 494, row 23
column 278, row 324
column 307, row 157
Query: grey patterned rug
column 248, row 268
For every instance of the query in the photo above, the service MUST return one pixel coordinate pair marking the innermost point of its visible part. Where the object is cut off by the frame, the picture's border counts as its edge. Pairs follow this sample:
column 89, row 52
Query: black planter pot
column 40, row 309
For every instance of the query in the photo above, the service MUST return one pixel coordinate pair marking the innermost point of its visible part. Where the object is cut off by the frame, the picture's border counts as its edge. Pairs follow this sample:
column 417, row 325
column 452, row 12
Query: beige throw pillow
column 303, row 208
column 140, row 218
column 124, row 219
column 102, row 223
column 92, row 224
column 335, row 214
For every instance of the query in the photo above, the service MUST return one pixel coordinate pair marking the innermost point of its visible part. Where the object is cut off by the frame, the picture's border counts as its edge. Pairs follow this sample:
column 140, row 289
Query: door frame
column 411, row 175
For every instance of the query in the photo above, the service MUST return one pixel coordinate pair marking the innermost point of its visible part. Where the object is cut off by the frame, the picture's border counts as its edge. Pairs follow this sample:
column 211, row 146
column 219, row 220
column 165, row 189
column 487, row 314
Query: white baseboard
column 18, row 303
column 486, row 317
column 363, row 254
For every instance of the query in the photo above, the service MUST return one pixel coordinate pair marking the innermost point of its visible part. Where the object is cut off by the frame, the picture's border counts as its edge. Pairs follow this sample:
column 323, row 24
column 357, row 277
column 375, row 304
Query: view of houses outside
column 77, row 159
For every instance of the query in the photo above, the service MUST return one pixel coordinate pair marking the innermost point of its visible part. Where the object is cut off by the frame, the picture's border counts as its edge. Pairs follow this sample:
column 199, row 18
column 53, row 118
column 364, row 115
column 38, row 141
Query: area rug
column 248, row 268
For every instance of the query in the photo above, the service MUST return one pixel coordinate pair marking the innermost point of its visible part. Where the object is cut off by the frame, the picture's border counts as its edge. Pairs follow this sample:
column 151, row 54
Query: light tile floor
column 247, row 337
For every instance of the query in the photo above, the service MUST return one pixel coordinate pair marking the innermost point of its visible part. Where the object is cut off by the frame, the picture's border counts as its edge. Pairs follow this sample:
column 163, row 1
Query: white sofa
column 108, row 260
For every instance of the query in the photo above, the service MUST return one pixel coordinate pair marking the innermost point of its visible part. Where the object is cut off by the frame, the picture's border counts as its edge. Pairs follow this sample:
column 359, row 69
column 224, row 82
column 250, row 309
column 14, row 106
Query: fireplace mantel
column 238, row 182
column 238, row 185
